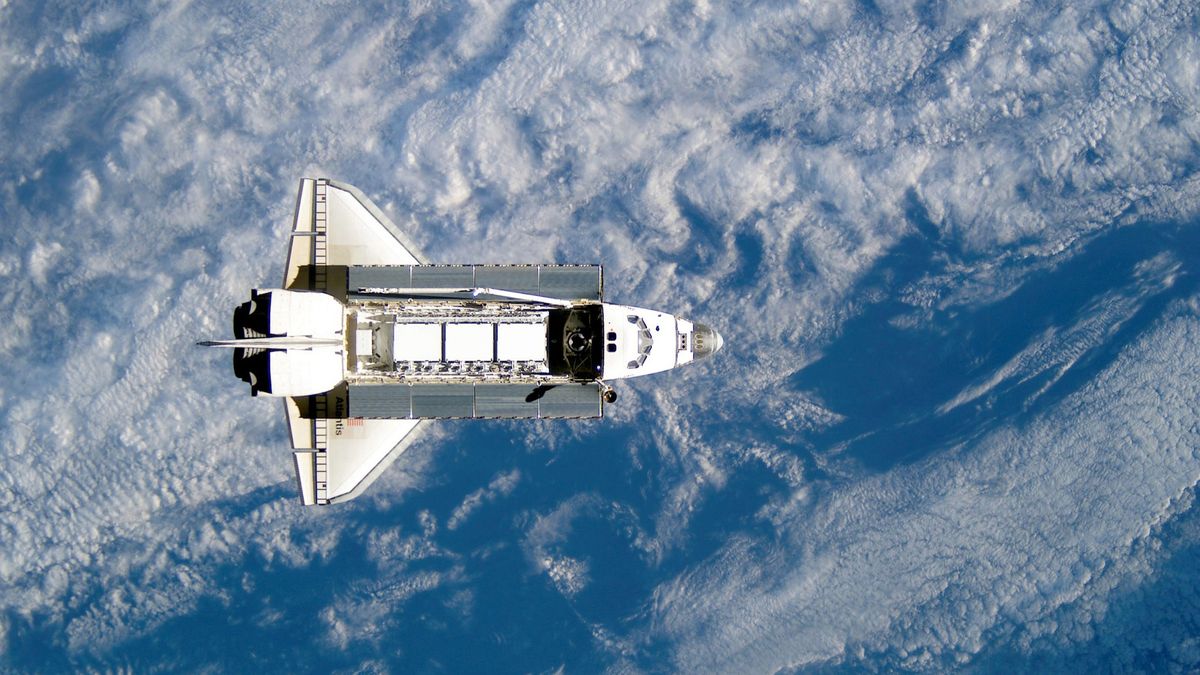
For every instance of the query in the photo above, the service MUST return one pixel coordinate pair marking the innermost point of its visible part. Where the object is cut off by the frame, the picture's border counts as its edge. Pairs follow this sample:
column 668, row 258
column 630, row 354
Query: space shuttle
column 365, row 341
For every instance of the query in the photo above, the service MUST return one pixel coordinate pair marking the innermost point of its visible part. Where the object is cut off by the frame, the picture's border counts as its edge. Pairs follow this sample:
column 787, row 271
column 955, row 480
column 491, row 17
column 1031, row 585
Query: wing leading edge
column 336, row 224
column 337, row 459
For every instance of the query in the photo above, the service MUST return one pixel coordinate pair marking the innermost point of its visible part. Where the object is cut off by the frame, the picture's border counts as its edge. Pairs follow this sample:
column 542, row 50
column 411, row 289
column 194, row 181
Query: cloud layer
column 950, row 249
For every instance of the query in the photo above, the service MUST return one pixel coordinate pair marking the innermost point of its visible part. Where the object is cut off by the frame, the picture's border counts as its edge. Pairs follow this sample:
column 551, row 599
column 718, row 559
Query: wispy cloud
column 918, row 565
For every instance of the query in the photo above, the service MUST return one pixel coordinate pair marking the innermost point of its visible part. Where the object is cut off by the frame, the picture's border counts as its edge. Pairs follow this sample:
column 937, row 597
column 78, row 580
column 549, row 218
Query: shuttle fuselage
column 364, row 340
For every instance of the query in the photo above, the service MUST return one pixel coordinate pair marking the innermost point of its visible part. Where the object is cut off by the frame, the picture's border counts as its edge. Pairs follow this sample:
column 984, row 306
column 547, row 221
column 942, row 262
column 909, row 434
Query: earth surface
column 952, row 248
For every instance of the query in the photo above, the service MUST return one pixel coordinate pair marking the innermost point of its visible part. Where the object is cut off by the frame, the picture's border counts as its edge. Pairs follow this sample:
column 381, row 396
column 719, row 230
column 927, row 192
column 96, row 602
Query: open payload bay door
column 337, row 225
column 337, row 459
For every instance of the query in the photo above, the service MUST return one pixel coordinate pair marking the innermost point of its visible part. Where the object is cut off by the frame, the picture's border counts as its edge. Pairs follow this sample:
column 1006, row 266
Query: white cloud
column 501, row 485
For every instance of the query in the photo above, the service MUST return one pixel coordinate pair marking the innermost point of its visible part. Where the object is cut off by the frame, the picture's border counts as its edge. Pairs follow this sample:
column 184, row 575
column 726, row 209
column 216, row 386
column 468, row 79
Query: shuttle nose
column 707, row 341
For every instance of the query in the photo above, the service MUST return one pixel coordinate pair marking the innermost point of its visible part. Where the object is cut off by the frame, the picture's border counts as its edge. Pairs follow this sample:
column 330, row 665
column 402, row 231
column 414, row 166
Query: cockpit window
column 645, row 341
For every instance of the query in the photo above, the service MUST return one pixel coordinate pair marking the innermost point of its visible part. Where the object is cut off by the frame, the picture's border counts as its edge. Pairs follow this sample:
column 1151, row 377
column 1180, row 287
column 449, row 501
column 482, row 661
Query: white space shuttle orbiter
column 365, row 340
